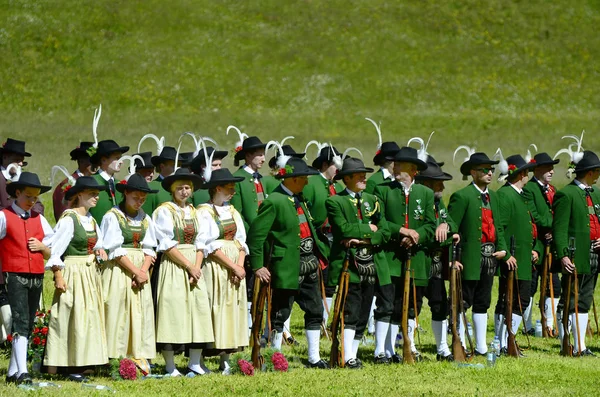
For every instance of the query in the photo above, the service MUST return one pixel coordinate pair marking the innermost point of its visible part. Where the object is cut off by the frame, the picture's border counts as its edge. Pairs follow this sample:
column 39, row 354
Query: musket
column 336, row 357
column 567, row 348
column 512, row 349
column 406, row 350
column 258, row 311
column 544, row 282
column 595, row 317
column 576, row 304
column 458, row 351
column 324, row 299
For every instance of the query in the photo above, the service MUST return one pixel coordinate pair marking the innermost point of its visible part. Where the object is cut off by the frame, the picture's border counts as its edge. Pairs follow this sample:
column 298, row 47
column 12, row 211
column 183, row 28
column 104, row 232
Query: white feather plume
column 17, row 169
column 97, row 114
column 241, row 135
column 160, row 143
column 576, row 155
column 207, row 172
column 177, row 158
column 59, row 168
column 468, row 149
column 337, row 160
column 131, row 160
column 528, row 157
column 422, row 151
column 285, row 139
column 378, row 129
column 318, row 144
column 502, row 165
column 349, row 150
column 282, row 159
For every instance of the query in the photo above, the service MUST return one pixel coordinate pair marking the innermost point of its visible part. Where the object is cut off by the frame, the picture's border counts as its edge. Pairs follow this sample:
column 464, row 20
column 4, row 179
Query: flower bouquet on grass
column 241, row 363
column 37, row 341
column 127, row 368
column 275, row 361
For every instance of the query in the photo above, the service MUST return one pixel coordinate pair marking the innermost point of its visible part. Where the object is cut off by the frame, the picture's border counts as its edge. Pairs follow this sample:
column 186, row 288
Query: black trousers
column 23, row 291
column 521, row 293
column 586, row 286
column 308, row 297
column 358, row 306
column 384, row 302
column 536, row 277
column 398, row 283
column 477, row 294
column 437, row 298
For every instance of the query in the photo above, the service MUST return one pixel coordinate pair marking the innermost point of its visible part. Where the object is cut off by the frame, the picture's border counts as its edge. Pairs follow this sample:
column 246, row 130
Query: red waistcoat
column 14, row 253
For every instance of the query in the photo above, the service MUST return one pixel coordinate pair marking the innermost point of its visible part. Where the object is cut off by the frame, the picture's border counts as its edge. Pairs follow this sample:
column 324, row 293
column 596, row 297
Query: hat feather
column 207, row 172
column 318, row 144
column 337, row 160
column 59, row 168
column 282, row 159
column 131, row 160
column 196, row 142
column 177, row 158
column 422, row 151
column 241, row 135
column 97, row 114
column 503, row 165
column 468, row 149
column 285, row 139
column 528, row 157
column 160, row 143
column 349, row 150
column 17, row 169
column 378, row 128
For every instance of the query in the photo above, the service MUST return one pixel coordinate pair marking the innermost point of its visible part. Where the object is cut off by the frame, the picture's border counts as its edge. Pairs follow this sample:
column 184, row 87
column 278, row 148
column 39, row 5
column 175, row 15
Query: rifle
column 544, row 282
column 258, row 311
column 336, row 356
column 406, row 350
column 567, row 348
column 324, row 298
column 595, row 317
column 576, row 296
column 458, row 351
column 512, row 349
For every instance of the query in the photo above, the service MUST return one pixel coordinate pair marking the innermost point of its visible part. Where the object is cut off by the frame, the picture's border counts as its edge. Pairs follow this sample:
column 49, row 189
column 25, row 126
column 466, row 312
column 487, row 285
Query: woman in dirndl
column 129, row 240
column 223, row 241
column 183, row 315
column 76, row 330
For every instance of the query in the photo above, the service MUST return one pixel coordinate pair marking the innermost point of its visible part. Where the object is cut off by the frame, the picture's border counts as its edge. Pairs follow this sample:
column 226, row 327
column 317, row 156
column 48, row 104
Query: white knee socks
column 480, row 330
column 20, row 348
column 276, row 339
column 313, row 336
column 348, row 344
column 440, row 332
column 583, row 322
column 390, row 340
column 381, row 335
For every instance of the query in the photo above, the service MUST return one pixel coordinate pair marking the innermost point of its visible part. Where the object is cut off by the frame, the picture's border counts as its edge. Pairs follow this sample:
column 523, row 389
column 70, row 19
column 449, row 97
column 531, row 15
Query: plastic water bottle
column 538, row 329
column 470, row 330
column 496, row 344
column 97, row 387
column 491, row 355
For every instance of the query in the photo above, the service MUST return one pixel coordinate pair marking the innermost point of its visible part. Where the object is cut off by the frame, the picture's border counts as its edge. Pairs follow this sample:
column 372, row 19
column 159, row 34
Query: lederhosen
column 436, row 295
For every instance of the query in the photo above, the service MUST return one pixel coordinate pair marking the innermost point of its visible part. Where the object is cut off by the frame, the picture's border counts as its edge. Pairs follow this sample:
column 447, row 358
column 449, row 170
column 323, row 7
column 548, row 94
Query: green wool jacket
column 541, row 211
column 375, row 180
column 270, row 183
column 105, row 202
column 276, row 229
column 155, row 199
column 421, row 218
column 571, row 219
column 245, row 200
column 432, row 246
column 465, row 210
column 516, row 220
column 345, row 223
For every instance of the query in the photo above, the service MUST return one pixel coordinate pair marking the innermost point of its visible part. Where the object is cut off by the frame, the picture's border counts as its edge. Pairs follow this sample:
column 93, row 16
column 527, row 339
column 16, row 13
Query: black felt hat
column 287, row 151
column 516, row 164
column 432, row 160
column 589, row 161
column 14, row 146
column 182, row 174
column 326, row 154
column 200, row 161
column 249, row 144
column 351, row 166
column 185, row 159
column 26, row 179
column 147, row 161
column 219, row 177
column 81, row 151
column 386, row 152
column 168, row 153
column 295, row 167
column 476, row 159
column 408, row 154
column 83, row 183
column 544, row 159
column 135, row 182
column 106, row 148
column 433, row 172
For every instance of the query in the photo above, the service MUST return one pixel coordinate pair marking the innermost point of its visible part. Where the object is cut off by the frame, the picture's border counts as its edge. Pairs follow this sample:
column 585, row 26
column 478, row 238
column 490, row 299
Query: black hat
column 81, row 151
column 433, row 172
column 83, row 183
column 135, row 182
column 295, row 167
column 432, row 160
column 200, row 161
column 106, row 148
column 167, row 153
column 352, row 166
column 326, row 154
column 589, row 161
column 386, row 152
column 250, row 143
column 476, row 159
column 544, row 159
column 147, row 157
column 182, row 174
column 185, row 159
column 408, row 154
column 288, row 151
column 26, row 179
column 219, row 177
column 14, row 146
column 516, row 164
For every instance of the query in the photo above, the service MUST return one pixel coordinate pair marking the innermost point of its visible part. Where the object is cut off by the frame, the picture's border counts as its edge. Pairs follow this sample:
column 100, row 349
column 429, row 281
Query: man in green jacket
column 107, row 158
column 164, row 163
column 475, row 209
column 576, row 211
column 198, row 166
column 283, row 228
column 384, row 159
column 517, row 225
column 355, row 218
column 409, row 210
column 269, row 181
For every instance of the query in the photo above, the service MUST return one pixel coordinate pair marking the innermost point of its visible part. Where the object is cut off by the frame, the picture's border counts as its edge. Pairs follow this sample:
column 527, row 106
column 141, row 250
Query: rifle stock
column 406, row 350
column 336, row 356
column 260, row 293
column 512, row 349
column 458, row 350
column 544, row 283
column 567, row 347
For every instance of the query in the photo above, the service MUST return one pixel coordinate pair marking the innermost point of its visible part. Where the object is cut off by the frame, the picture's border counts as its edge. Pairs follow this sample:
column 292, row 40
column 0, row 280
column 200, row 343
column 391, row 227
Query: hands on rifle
column 567, row 264
column 457, row 265
column 354, row 242
column 373, row 227
column 535, row 257
column 441, row 232
column 263, row 274
column 411, row 237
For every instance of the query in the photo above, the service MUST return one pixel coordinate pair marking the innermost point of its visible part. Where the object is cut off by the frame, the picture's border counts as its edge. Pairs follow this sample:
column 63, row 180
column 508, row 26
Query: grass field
column 494, row 73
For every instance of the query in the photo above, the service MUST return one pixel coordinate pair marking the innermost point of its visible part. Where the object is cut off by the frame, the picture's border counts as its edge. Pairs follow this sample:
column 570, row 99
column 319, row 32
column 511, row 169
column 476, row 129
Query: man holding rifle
column 355, row 218
column 576, row 211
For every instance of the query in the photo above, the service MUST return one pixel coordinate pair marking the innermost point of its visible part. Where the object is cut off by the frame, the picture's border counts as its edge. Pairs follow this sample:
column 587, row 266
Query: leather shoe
column 381, row 359
column 353, row 363
column 587, row 353
column 504, row 352
column 291, row 341
column 396, row 359
column 11, row 378
column 76, row 378
column 321, row 364
column 24, row 379
column 449, row 357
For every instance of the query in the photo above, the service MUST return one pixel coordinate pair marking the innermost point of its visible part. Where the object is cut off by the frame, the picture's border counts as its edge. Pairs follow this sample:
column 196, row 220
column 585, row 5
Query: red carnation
column 123, row 182
column 45, row 330
column 511, row 168
column 43, row 342
column 9, row 337
column 281, row 172
column 279, row 362
column 66, row 188
column 532, row 161
column 378, row 152
column 237, row 149
column 246, row 367
column 127, row 369
column 37, row 340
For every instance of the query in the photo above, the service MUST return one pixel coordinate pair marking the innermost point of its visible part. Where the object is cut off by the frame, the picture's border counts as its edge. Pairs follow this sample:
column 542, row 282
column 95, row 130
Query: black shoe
column 381, row 359
column 76, row 378
column 396, row 359
column 504, row 352
column 449, row 357
column 477, row 354
column 291, row 341
column 24, row 379
column 587, row 353
column 353, row 363
column 530, row 332
column 11, row 378
column 321, row 364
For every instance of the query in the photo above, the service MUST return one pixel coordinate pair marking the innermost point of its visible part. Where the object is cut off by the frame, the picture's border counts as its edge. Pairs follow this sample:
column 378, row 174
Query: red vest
column 14, row 253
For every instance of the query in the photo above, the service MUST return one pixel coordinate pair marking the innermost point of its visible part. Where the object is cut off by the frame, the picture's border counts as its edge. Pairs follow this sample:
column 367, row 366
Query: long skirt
column 129, row 311
column 228, row 302
column 76, row 332
column 182, row 313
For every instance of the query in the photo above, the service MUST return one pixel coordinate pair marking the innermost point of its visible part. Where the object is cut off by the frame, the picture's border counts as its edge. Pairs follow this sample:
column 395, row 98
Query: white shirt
column 164, row 225
column 285, row 189
column 581, row 185
column 63, row 234
column 481, row 191
column 105, row 175
column 516, row 188
column 251, row 172
column 113, row 235
column 351, row 193
column 387, row 174
column 407, row 188
column 20, row 211
column 208, row 236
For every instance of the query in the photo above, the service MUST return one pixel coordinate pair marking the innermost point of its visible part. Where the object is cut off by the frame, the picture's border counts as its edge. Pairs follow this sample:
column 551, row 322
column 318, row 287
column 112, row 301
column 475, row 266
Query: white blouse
column 209, row 230
column 164, row 225
column 113, row 236
column 63, row 234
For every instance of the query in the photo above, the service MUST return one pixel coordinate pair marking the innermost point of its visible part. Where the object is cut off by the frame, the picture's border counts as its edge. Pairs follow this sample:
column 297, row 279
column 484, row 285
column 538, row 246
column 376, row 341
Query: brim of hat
column 421, row 165
column 242, row 153
column 13, row 186
column 526, row 167
column 220, row 182
column 121, row 187
column 588, row 168
column 444, row 176
column 25, row 154
column 273, row 160
column 465, row 168
column 77, row 153
column 76, row 189
column 381, row 157
column 553, row 162
column 308, row 172
column 157, row 160
column 122, row 149
column 341, row 174
column 195, row 179
column 144, row 167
